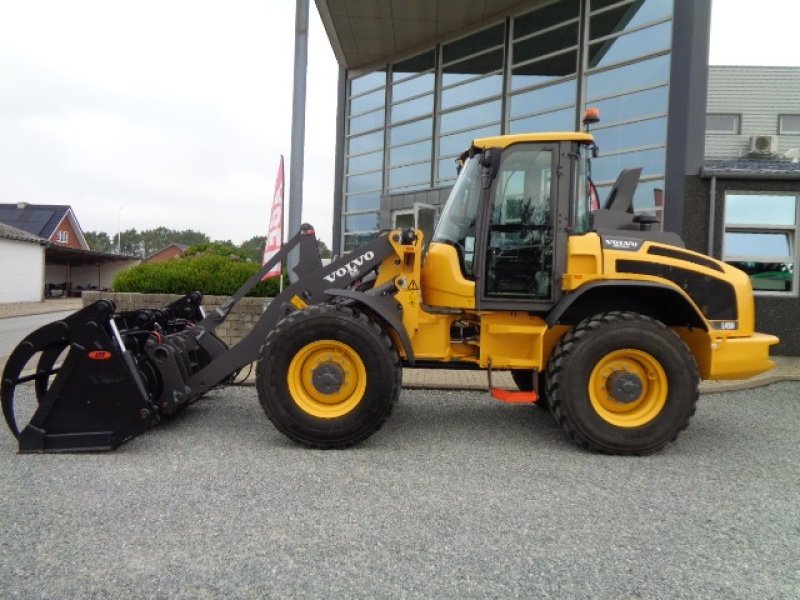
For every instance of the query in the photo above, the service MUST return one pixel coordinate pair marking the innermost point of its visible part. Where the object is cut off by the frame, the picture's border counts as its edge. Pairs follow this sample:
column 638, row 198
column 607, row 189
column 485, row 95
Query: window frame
column 781, row 130
column 737, row 130
column 792, row 232
column 498, row 194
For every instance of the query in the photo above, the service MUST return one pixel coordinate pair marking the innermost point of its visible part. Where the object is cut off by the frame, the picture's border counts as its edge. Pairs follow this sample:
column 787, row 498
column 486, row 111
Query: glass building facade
column 406, row 122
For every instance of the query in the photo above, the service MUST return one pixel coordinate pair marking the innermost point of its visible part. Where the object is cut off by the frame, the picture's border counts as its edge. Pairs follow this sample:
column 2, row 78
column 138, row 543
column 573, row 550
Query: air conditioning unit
column 764, row 144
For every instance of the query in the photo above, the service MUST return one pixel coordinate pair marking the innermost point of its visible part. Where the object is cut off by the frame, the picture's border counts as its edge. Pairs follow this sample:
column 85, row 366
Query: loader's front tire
column 328, row 376
column 622, row 383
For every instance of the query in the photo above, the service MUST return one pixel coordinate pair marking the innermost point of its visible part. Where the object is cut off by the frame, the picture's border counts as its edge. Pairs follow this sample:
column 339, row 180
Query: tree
column 130, row 243
column 324, row 251
column 99, row 241
column 254, row 248
column 154, row 240
column 224, row 249
column 189, row 237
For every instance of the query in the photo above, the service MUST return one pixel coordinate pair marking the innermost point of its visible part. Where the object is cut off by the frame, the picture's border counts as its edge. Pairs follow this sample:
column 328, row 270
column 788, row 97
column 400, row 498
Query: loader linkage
column 102, row 377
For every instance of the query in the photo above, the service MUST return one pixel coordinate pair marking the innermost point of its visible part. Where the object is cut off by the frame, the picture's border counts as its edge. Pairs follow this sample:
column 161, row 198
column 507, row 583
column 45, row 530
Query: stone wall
column 239, row 322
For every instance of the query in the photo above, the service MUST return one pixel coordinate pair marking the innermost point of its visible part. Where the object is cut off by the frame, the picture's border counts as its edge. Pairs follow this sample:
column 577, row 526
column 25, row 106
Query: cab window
column 457, row 223
column 519, row 261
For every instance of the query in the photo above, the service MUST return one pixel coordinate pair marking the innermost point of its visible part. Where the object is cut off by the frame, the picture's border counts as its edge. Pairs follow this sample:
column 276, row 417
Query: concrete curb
column 28, row 309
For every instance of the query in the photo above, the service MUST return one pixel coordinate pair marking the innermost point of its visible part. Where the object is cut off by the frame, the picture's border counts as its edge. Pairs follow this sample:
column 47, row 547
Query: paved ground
column 457, row 497
column 19, row 309
column 14, row 330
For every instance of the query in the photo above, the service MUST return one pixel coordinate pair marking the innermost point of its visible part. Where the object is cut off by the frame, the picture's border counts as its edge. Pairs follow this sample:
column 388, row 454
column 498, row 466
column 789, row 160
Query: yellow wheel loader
column 597, row 313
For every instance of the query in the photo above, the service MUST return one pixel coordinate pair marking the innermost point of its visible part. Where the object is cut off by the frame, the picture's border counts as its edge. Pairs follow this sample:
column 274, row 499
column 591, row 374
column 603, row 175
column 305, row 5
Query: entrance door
column 403, row 219
column 422, row 216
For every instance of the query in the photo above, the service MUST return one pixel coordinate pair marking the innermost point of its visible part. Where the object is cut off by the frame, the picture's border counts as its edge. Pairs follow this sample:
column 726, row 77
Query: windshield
column 457, row 223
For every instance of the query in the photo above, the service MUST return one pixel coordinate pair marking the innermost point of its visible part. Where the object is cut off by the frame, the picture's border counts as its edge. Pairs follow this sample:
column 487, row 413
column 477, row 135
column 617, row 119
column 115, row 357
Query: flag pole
column 283, row 237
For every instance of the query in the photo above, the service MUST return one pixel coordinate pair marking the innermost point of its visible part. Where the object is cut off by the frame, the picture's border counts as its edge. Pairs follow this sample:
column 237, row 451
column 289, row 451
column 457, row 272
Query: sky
column 175, row 113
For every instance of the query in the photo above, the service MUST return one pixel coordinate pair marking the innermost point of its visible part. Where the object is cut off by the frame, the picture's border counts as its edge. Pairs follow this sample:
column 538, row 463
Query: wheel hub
column 628, row 387
column 625, row 387
column 328, row 378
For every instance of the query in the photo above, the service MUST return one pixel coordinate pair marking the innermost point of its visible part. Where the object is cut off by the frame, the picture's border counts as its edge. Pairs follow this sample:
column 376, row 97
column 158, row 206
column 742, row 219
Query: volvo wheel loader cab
column 596, row 312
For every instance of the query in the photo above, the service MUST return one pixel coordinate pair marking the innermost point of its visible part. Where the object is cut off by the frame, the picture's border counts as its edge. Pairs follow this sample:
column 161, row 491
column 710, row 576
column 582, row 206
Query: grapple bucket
column 101, row 377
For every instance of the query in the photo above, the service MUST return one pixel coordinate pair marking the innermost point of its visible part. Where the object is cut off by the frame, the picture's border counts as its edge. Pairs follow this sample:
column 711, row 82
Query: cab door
column 522, row 229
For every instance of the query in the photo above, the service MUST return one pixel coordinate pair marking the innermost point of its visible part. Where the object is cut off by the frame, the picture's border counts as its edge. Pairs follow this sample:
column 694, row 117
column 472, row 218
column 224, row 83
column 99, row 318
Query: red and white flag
column 275, row 229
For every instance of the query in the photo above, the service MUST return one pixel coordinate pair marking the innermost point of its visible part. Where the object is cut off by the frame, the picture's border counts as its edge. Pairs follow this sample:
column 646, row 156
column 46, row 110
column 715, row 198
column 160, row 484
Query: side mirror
column 490, row 162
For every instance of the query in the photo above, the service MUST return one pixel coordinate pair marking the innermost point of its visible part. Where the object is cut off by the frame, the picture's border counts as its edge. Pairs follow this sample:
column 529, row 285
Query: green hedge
column 211, row 274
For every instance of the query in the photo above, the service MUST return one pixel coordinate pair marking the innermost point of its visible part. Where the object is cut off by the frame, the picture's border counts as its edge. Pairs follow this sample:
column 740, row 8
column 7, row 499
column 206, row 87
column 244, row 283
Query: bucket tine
column 50, row 340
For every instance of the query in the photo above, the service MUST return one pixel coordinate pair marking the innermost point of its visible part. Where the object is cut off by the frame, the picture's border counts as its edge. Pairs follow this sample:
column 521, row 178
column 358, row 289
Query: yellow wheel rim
column 628, row 388
column 327, row 379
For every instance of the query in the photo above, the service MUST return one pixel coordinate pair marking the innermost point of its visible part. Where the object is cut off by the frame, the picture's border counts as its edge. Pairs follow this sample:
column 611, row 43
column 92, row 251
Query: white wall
column 21, row 271
column 100, row 277
column 108, row 270
column 56, row 274
column 85, row 277
column 759, row 95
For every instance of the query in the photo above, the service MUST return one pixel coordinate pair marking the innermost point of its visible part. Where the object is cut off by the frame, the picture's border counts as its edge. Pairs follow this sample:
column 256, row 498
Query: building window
column 470, row 102
column 411, row 123
column 63, row 237
column 627, row 66
column 363, row 184
column 544, row 68
column 760, row 238
column 789, row 124
column 719, row 123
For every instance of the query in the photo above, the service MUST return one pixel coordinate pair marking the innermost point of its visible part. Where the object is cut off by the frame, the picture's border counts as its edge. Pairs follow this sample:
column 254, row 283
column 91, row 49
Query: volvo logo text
column 351, row 268
column 622, row 244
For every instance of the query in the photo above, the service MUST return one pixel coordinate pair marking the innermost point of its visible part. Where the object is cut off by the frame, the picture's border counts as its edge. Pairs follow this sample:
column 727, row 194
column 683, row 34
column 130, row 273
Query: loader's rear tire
column 328, row 376
column 524, row 380
column 622, row 383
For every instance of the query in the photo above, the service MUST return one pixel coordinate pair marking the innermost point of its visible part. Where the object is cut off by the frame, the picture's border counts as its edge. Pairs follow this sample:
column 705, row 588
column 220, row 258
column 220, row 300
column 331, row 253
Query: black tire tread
column 266, row 386
column 562, row 353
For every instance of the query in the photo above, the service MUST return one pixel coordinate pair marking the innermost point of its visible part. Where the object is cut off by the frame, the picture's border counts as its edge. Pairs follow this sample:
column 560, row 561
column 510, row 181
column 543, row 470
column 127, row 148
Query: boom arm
column 314, row 286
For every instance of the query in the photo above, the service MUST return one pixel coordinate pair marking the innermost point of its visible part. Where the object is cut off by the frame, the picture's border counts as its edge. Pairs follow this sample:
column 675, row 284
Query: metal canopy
column 61, row 255
column 365, row 33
